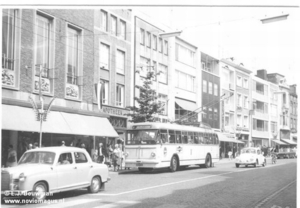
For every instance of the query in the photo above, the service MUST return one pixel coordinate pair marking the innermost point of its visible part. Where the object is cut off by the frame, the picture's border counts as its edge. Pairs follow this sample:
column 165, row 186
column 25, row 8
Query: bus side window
column 171, row 136
column 184, row 137
column 196, row 139
column 201, row 138
column 178, row 139
column 164, row 138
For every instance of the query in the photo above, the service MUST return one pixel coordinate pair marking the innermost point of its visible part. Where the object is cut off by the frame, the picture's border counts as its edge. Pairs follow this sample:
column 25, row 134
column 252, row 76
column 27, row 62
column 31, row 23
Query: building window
column 239, row 81
column 104, row 56
column 142, row 37
column 120, row 96
column 245, row 102
column 163, row 101
column 185, row 81
column 43, row 52
column 245, row 83
column 273, row 127
column 114, row 25
column 163, row 74
column 154, row 66
column 154, row 42
column 148, row 40
column 215, row 89
column 166, row 47
column 105, row 92
column 246, row 121
column 160, row 46
column 10, row 47
column 239, row 120
column 215, row 113
column 120, row 62
column 123, row 30
column 104, row 20
column 145, row 65
column 74, row 54
column 239, row 100
column 204, row 86
column 185, row 55
column 210, row 90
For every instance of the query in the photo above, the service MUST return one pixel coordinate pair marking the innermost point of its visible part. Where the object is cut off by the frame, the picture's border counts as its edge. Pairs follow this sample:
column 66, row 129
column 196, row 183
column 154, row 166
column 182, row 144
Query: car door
column 83, row 167
column 66, row 172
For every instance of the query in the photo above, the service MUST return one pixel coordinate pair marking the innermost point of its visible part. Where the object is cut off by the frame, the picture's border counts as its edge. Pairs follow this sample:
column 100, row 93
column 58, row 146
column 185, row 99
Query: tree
column 148, row 105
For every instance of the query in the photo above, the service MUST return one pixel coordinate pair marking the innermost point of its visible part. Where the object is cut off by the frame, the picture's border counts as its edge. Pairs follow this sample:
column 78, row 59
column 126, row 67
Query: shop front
column 260, row 142
column 20, row 128
column 118, row 120
column 229, row 144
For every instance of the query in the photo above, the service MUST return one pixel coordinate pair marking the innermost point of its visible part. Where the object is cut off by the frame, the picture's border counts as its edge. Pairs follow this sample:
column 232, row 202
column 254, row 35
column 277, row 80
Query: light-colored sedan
column 41, row 172
column 251, row 156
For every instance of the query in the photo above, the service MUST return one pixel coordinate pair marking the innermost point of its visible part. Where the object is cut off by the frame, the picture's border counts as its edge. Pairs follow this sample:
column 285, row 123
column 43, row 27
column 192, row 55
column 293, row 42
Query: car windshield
column 37, row 158
column 141, row 137
column 243, row 151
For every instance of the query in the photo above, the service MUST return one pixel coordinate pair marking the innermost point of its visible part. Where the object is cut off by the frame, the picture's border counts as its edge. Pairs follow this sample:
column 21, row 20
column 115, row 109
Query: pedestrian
column 116, row 157
column 229, row 154
column 100, row 153
column 95, row 156
column 35, row 145
column 63, row 143
column 82, row 146
column 109, row 155
column 11, row 157
column 30, row 146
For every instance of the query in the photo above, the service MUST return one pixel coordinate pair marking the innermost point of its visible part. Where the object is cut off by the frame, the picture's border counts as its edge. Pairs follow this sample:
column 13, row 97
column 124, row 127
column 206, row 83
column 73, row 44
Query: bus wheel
column 174, row 164
column 207, row 161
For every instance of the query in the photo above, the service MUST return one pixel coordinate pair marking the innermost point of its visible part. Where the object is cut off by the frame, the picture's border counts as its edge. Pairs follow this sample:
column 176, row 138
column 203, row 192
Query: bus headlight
column 126, row 154
column 153, row 154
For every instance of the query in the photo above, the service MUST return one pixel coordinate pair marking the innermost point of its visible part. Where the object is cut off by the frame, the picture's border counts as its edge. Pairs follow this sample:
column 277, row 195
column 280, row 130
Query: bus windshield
column 142, row 137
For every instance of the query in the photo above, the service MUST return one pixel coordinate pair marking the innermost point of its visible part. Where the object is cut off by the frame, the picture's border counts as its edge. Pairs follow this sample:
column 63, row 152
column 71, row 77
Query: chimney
column 262, row 73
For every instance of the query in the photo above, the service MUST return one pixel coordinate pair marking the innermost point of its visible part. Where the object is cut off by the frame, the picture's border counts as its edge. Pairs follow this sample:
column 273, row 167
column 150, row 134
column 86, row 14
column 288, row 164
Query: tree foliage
column 148, row 104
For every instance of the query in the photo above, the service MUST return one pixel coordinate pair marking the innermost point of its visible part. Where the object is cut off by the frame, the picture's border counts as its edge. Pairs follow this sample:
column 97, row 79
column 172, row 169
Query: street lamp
column 274, row 19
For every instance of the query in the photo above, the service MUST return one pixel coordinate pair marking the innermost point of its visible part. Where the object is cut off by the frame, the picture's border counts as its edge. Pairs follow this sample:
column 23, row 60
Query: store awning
column 289, row 141
column 17, row 118
column 186, row 105
column 89, row 125
column 224, row 138
column 278, row 142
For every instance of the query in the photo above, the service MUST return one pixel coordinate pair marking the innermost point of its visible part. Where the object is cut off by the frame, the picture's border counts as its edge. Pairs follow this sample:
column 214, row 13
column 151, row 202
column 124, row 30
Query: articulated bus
column 150, row 146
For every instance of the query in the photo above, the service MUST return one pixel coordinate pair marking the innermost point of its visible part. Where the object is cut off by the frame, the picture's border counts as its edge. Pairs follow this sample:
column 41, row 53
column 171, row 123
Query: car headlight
column 22, row 177
column 126, row 154
column 153, row 154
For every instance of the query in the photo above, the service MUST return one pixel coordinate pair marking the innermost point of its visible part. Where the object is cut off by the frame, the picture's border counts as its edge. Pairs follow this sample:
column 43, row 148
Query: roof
column 57, row 149
column 170, row 126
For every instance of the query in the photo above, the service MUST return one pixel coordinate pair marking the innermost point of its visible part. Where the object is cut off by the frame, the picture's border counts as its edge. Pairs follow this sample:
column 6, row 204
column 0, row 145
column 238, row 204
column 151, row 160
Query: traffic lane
column 133, row 180
column 238, row 189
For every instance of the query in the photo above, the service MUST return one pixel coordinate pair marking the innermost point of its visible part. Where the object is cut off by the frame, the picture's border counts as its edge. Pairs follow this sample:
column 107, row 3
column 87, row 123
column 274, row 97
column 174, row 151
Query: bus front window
column 141, row 137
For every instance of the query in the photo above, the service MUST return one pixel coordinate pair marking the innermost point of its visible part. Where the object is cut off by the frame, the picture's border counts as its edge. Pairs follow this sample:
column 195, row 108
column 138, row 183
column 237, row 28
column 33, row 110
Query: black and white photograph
column 150, row 104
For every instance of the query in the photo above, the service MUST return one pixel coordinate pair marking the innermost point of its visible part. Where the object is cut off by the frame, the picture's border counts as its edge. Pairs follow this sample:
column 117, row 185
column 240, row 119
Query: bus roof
column 176, row 127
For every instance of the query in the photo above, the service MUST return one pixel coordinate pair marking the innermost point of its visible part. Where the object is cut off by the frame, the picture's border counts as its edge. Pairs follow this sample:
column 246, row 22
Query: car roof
column 58, row 149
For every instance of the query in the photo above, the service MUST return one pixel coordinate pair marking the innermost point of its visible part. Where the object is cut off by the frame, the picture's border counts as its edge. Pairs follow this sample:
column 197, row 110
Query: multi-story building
column 293, row 112
column 284, row 109
column 151, row 52
column 48, row 56
column 186, row 77
column 240, row 90
column 261, row 109
column 112, row 45
column 210, row 91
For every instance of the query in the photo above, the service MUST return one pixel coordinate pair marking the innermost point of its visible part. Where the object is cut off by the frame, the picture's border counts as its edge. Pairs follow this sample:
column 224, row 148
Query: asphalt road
column 222, row 186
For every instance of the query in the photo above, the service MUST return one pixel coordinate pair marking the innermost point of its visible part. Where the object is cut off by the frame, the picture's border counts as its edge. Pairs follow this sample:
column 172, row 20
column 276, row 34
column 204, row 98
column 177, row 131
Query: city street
column 223, row 185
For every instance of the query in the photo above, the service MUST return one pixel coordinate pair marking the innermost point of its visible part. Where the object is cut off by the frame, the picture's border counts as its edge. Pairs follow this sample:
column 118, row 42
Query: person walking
column 229, row 154
column 11, row 157
column 100, row 153
column 63, row 144
column 116, row 157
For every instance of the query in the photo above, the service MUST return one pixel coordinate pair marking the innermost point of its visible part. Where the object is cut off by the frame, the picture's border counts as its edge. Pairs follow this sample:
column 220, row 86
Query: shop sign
column 114, row 111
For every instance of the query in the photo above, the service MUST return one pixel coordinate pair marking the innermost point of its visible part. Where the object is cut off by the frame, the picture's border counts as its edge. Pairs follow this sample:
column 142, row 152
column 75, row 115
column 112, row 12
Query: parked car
column 251, row 156
column 53, row 169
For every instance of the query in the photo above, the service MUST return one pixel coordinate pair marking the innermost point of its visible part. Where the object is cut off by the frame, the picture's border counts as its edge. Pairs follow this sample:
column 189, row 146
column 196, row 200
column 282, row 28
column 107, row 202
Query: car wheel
column 143, row 170
column 95, row 185
column 246, row 166
column 39, row 190
column 174, row 164
column 237, row 165
column 264, row 163
column 207, row 161
column 255, row 163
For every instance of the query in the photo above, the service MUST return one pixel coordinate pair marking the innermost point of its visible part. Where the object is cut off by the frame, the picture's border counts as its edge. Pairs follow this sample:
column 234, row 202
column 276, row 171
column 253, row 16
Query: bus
column 149, row 146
